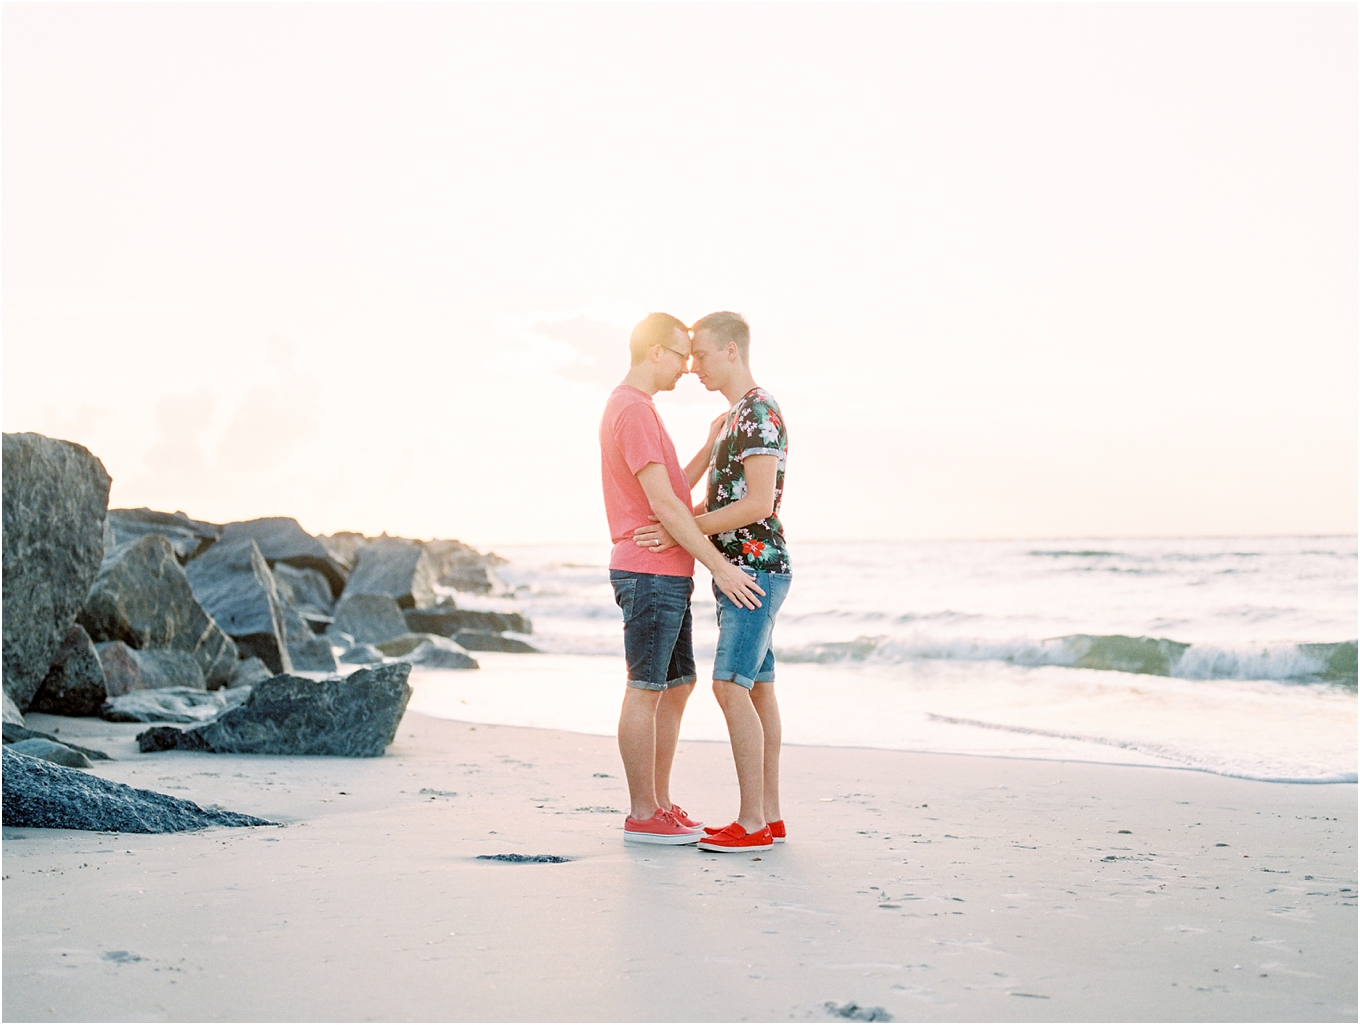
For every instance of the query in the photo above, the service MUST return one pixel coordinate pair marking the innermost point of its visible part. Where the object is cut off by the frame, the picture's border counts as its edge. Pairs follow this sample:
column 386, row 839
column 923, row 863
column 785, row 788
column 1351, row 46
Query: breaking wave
column 1154, row 656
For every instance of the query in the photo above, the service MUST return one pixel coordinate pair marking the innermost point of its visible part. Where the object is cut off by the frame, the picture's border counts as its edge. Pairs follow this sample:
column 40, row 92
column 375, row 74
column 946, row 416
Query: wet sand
column 935, row 887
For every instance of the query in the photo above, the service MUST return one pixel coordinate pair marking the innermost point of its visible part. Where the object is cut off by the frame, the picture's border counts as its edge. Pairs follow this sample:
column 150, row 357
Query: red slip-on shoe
column 776, row 830
column 682, row 817
column 660, row 828
column 734, row 839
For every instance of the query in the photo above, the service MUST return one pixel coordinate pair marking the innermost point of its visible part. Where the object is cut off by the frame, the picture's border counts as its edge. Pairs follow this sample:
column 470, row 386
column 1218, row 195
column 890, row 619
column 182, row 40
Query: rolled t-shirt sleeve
column 638, row 433
column 758, row 431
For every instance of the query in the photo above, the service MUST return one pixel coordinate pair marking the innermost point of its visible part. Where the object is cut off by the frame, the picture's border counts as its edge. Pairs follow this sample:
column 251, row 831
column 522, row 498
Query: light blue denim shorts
column 745, row 656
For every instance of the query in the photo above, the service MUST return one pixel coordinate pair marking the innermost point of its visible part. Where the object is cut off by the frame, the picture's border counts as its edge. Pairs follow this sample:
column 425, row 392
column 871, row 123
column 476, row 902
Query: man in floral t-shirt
column 744, row 463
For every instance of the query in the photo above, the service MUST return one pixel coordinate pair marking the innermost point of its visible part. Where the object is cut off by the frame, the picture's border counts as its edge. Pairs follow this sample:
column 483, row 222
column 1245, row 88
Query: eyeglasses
column 683, row 358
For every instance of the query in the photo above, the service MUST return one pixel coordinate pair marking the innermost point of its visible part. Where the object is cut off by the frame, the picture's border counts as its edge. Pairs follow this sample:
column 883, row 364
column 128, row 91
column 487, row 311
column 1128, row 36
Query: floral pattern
column 754, row 427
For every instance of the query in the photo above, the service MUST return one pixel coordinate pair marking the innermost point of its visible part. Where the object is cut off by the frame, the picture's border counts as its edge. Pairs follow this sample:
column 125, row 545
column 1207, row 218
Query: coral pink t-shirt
column 631, row 436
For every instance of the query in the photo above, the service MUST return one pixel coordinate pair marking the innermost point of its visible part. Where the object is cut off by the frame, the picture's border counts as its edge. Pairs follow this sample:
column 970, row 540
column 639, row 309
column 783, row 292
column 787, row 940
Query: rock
column 447, row 619
column 368, row 618
column 247, row 672
column 41, row 795
column 485, row 640
column 344, row 547
column 143, row 598
column 188, row 538
column 354, row 716
column 397, row 568
column 51, row 751
column 127, row 669
column 282, row 539
column 12, row 713
column 14, row 734
column 173, row 704
column 428, row 651
column 75, row 683
column 462, row 567
column 234, row 583
column 304, row 588
column 56, row 495
column 307, row 651
column 361, row 655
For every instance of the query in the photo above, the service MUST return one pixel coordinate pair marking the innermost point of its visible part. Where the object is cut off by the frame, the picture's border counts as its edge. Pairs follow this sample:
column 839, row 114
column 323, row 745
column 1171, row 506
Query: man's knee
column 728, row 691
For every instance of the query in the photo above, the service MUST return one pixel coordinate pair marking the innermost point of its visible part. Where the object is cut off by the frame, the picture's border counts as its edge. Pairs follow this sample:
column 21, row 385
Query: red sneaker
column 660, row 828
column 682, row 817
column 776, row 830
column 734, row 838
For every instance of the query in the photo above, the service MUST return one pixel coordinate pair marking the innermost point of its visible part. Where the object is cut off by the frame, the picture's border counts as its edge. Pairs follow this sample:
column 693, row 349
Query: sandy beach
column 934, row 887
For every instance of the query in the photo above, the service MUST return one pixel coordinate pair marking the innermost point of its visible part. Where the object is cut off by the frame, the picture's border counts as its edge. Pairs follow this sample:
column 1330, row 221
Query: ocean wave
column 1154, row 656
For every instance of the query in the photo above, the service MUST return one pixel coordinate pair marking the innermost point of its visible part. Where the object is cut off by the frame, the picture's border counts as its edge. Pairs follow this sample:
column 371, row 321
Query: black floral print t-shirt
column 754, row 427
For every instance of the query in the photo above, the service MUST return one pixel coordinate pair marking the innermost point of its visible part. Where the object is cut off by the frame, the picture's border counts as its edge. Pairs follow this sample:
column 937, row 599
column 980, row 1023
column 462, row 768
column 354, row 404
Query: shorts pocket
column 624, row 593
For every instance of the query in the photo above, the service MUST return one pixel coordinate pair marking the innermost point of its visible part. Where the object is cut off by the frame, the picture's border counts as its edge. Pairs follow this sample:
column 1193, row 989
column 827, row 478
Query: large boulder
column 397, row 568
column 233, row 582
column 142, row 597
column 75, row 683
column 56, row 495
column 308, row 591
column 282, row 539
column 344, row 547
column 354, row 716
column 486, row 640
column 446, row 619
column 127, row 669
column 173, row 704
column 189, row 538
column 368, row 618
column 429, row 651
column 462, row 567
column 308, row 652
column 15, row 734
column 41, row 795
column 53, row 751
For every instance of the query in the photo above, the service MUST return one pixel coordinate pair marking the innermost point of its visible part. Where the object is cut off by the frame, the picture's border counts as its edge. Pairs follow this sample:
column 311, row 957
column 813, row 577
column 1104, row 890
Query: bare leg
column 669, row 710
column 748, row 751
column 767, row 707
column 637, row 745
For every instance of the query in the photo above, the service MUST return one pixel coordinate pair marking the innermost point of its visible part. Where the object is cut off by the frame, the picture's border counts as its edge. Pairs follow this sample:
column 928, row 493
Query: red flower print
column 752, row 548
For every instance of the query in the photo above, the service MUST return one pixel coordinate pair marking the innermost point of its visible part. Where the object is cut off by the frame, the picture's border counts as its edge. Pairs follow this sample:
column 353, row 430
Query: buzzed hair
column 654, row 329
column 728, row 327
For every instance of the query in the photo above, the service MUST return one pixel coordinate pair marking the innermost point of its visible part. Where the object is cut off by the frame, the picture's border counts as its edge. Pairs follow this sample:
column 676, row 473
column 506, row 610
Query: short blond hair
column 728, row 327
column 654, row 329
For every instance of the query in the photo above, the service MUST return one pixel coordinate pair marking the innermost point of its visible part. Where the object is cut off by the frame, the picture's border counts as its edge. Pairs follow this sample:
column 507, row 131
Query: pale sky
column 1031, row 270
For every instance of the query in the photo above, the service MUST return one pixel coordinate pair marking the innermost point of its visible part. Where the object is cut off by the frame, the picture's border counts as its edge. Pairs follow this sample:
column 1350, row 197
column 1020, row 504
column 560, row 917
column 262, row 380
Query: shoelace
column 668, row 818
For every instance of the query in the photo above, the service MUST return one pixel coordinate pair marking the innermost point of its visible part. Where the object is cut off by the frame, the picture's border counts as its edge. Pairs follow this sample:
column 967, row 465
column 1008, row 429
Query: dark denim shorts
column 658, row 628
column 745, row 656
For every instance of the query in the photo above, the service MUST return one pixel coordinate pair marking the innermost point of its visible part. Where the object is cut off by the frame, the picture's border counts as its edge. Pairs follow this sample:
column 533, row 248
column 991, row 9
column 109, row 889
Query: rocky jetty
column 41, row 795
column 143, row 598
column 351, row 717
column 447, row 619
column 56, row 496
column 75, row 683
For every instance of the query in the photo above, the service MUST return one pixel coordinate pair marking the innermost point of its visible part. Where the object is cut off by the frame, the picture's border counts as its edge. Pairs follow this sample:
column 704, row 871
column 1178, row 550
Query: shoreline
column 937, row 887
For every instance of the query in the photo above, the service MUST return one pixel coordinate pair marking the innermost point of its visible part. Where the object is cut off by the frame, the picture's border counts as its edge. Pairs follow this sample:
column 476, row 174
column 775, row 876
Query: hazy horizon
column 1013, row 271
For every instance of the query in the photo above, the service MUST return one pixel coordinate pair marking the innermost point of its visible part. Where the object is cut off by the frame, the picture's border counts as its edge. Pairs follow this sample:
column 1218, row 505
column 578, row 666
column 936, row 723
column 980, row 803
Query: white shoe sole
column 662, row 838
column 704, row 845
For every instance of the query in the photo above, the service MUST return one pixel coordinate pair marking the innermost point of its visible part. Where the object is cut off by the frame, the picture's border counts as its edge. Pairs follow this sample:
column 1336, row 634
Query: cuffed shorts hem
column 653, row 685
column 744, row 681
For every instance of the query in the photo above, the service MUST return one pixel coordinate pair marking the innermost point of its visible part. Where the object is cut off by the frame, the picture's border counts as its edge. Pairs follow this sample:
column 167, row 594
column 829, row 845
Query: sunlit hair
column 654, row 329
column 728, row 327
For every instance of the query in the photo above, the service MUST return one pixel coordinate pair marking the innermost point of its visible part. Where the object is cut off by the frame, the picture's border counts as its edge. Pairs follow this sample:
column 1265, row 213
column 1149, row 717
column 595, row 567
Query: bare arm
column 756, row 504
column 675, row 516
column 695, row 468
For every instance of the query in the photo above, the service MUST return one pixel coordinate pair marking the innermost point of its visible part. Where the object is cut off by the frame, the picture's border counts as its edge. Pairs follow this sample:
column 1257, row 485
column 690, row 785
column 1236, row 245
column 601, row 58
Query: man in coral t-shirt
column 643, row 478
